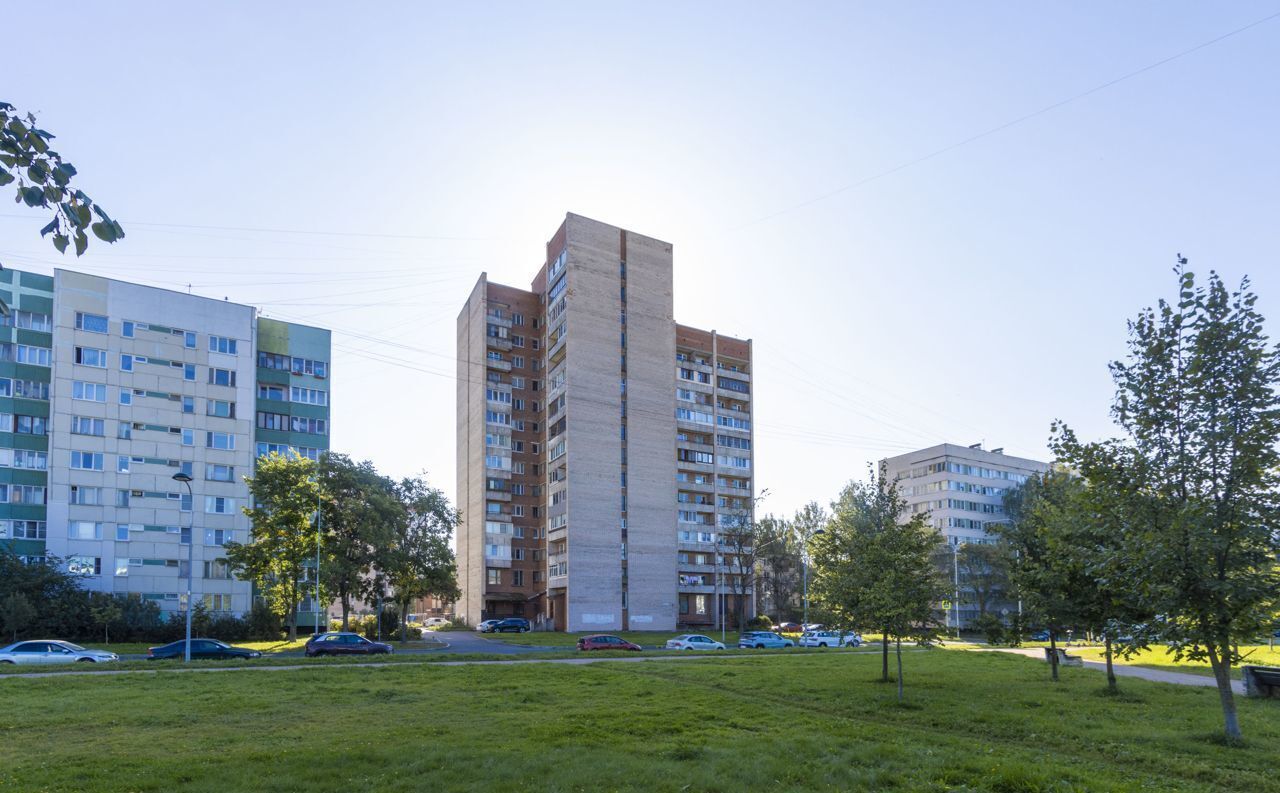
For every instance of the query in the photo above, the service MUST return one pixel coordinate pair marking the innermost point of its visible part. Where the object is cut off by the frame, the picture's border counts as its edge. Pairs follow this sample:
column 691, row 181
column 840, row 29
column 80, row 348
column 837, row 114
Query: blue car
column 761, row 640
column 1040, row 636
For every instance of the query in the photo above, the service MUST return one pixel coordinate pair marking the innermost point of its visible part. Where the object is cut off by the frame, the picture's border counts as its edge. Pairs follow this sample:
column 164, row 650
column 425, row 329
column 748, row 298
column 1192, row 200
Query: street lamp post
column 191, row 557
column 955, row 569
column 317, row 630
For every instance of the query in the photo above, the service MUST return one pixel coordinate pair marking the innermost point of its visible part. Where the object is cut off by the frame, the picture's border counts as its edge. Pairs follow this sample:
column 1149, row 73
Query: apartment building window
column 226, row 377
column 21, row 494
column 273, row 421
column 30, row 460
column 734, row 462
column 23, row 529
column 28, row 320
column 84, row 530
column 91, row 356
column 189, row 404
column 222, row 344
column 188, row 437
column 308, row 425
column 126, row 396
column 84, row 425
column 494, row 576
column 217, row 569
column 86, row 461
column 517, row 361
column 217, row 602
column 126, row 362
column 731, row 442
column 274, row 393
column 218, row 505
column 93, row 323
column 308, row 396
column 516, row 382
column 692, row 456
column 217, row 536
column 122, row 498
column 29, row 425
column 189, row 372
column 85, row 496
column 122, row 464
column 219, row 440
column 517, row 578
column 84, row 565
column 189, row 339
column 26, row 389
column 219, row 473
column 220, row 408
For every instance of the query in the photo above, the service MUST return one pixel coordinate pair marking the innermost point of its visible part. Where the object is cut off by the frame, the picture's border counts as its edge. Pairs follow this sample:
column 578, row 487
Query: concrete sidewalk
column 1125, row 670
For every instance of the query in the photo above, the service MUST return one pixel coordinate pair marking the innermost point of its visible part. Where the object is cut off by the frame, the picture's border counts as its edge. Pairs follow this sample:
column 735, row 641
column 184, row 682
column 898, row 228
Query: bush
column 760, row 622
column 991, row 627
column 263, row 624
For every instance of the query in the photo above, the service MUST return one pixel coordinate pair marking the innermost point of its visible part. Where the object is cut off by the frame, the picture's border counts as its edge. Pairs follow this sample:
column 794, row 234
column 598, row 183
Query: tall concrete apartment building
column 962, row 488
column 108, row 389
column 602, row 448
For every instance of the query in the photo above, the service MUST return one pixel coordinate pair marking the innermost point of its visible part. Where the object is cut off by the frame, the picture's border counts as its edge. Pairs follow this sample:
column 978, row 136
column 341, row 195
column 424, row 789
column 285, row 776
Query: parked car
column 693, row 641
column 339, row 643
column 851, row 639
column 789, row 627
column 605, row 642
column 820, row 639
column 431, row 622
column 1040, row 636
column 761, row 640
column 200, row 648
column 813, row 626
column 487, row 625
column 510, row 625
column 52, row 651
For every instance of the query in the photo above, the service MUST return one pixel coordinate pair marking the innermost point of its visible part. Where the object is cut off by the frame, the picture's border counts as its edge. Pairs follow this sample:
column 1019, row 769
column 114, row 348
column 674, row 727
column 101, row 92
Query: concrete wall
column 469, row 541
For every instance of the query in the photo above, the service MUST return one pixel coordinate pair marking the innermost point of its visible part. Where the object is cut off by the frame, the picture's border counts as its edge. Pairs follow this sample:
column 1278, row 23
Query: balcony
column 498, row 365
column 498, row 343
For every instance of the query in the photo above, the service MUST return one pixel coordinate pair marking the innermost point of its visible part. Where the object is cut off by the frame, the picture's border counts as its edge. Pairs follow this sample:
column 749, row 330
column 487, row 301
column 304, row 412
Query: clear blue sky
column 975, row 295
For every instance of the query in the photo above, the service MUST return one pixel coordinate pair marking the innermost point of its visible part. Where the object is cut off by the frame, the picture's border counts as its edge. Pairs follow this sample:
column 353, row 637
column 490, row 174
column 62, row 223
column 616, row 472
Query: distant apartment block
column 602, row 448
column 108, row 389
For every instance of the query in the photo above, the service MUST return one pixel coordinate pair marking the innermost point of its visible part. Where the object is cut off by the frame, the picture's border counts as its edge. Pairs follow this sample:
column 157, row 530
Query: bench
column 1261, row 681
column 1063, row 658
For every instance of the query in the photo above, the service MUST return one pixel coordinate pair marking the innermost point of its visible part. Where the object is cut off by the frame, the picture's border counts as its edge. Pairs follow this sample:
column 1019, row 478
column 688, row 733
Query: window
column 219, row 440
column 122, row 464
column 225, row 377
column 517, row 578
column 273, row 421
column 84, row 425
column 220, row 408
column 84, row 530
column 184, row 505
column 86, row 461
column 303, row 424
column 308, row 396
column 23, row 529
column 126, row 396
column 39, row 356
column 217, row 602
column 126, row 362
column 122, row 498
column 89, row 392
column 217, row 505
column 91, row 356
column 494, row 576
column 30, row 460
column 275, row 393
column 21, row 494
column 124, row 430
column 217, row 536
column 219, row 473
column 87, row 496
column 84, row 565
column 189, row 339
column 126, row 329
column 28, row 320
column 94, row 323
column 189, row 372
column 222, row 344
column 185, row 467
column 217, row 569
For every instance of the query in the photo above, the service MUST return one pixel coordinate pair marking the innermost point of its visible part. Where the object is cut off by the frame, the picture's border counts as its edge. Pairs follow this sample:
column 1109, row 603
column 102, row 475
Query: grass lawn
column 1161, row 658
column 973, row 722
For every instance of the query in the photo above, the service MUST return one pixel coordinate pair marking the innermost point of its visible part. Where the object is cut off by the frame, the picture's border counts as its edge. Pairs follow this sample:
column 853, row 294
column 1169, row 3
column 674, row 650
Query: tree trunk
column 1111, row 671
column 404, row 621
column 884, row 656
column 1222, row 675
column 898, row 643
column 346, row 610
column 1053, row 654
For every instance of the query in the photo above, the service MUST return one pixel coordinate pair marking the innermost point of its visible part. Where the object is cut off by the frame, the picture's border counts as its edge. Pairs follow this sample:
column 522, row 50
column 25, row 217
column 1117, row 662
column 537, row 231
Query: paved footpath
column 1124, row 670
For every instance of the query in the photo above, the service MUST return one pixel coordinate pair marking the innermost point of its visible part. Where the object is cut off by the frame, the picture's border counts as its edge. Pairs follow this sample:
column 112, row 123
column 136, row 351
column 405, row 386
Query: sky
column 932, row 219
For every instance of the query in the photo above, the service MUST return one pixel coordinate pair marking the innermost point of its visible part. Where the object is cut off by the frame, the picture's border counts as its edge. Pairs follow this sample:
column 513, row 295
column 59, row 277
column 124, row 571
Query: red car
column 605, row 642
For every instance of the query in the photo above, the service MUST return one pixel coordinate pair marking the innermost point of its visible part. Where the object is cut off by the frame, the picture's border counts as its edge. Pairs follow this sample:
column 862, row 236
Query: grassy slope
column 816, row 721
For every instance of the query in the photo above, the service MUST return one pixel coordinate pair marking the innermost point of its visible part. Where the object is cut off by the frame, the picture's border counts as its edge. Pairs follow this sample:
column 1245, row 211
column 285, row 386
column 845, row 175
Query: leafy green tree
column 283, row 493
column 44, row 180
column 104, row 609
column 873, row 568
column 418, row 561
column 360, row 512
column 1048, row 575
column 16, row 613
column 1199, row 401
column 778, row 565
column 984, row 574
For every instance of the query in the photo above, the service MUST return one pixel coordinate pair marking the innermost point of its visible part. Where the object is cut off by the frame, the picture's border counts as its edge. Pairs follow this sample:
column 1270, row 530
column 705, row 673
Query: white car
column 851, row 639
column 485, row 626
column 693, row 641
column 431, row 622
column 820, row 639
column 52, row 651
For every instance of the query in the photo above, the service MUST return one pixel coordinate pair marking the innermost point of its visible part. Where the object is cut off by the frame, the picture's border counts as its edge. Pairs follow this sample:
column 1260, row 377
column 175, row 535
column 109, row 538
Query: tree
column 778, row 564
column 740, row 538
column 104, row 609
column 1048, row 577
column 360, row 510
column 984, row 572
column 1199, row 401
column 44, row 180
column 283, row 494
column 418, row 561
column 15, row 613
column 872, row 568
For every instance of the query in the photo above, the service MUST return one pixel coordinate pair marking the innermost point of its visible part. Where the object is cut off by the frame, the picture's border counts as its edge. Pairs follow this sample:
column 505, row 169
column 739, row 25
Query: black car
column 511, row 625
column 339, row 643
column 200, row 648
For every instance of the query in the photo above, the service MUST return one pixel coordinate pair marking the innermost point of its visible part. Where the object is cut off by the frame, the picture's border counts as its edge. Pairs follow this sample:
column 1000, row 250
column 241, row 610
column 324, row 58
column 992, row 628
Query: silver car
column 52, row 651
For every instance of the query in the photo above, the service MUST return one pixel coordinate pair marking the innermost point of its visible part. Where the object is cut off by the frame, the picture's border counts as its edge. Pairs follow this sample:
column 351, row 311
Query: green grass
column 1161, row 658
column 973, row 722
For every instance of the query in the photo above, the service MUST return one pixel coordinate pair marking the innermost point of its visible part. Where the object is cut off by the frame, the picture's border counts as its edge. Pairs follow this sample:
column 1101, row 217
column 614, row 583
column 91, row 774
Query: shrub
column 991, row 627
column 760, row 622
column 263, row 623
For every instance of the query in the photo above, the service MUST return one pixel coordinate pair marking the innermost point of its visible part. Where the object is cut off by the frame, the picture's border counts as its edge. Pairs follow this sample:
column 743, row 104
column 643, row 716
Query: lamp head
column 182, row 476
